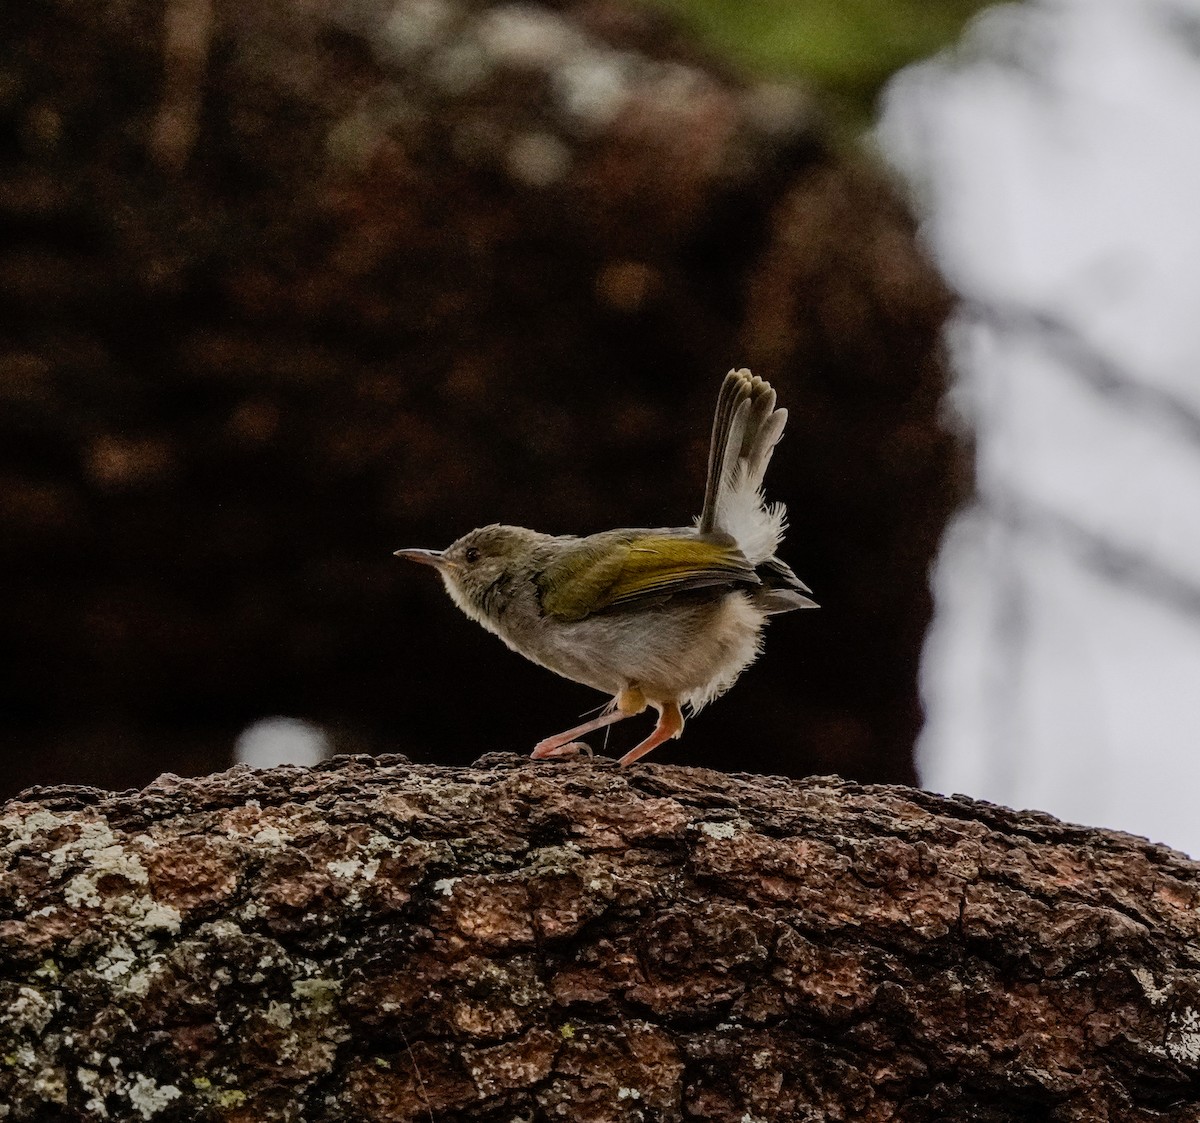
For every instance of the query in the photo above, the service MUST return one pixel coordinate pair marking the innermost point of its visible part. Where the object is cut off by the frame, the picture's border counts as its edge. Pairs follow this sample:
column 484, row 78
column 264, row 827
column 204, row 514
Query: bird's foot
column 551, row 749
column 560, row 742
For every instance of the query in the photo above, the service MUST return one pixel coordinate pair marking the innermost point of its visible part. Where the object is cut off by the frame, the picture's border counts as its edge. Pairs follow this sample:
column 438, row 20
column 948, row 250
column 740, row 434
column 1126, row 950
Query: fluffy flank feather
column 742, row 512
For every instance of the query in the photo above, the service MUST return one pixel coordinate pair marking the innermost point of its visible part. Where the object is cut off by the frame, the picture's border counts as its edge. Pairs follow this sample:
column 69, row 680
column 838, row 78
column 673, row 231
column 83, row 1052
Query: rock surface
column 378, row 941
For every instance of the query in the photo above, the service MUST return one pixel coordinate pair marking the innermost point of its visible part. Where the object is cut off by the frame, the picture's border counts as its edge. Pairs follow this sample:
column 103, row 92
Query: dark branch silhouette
column 1091, row 366
column 1120, row 563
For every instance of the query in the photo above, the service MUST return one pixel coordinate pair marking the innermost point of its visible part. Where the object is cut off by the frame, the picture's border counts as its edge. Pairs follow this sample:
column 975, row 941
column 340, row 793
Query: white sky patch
column 282, row 740
column 1056, row 160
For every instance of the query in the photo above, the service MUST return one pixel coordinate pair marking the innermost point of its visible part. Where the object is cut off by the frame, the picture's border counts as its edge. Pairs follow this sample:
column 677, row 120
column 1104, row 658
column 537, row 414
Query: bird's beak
column 434, row 558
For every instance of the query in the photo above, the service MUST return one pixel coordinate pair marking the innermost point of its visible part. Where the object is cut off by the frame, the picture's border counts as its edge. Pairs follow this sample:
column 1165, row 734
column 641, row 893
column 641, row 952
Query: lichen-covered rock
column 379, row 941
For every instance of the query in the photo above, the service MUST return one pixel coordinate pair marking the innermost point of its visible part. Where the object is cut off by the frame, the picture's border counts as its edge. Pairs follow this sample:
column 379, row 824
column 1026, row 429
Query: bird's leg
column 670, row 724
column 558, row 744
column 628, row 702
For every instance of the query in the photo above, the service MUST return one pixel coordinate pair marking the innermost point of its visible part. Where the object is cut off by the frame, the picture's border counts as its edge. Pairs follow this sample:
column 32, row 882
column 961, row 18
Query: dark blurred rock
column 283, row 288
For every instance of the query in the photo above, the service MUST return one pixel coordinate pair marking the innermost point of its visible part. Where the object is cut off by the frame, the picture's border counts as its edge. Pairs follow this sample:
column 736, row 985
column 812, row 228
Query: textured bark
column 375, row 940
column 286, row 285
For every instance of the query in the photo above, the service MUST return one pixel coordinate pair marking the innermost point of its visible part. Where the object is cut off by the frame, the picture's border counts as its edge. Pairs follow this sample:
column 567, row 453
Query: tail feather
column 746, row 428
column 781, row 589
column 728, row 401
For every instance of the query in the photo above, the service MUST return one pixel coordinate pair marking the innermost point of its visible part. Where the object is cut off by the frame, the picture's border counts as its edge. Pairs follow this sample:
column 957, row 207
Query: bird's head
column 483, row 569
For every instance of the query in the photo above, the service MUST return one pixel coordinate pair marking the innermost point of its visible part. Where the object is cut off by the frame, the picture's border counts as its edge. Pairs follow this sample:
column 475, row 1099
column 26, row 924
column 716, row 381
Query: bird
column 666, row 618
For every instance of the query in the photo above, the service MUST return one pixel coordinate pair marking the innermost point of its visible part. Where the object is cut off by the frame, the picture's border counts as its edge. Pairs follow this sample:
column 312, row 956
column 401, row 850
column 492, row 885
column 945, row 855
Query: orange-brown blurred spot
column 116, row 463
column 626, row 285
column 254, row 421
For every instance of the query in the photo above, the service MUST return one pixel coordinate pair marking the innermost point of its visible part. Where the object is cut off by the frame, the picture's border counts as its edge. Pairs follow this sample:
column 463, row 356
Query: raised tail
column 746, row 428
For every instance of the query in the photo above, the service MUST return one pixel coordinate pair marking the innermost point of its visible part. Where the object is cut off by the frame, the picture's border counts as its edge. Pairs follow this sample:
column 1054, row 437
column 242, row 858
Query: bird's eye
column 471, row 554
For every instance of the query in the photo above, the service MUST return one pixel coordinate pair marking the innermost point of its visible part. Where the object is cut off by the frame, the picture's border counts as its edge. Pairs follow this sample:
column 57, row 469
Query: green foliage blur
column 847, row 48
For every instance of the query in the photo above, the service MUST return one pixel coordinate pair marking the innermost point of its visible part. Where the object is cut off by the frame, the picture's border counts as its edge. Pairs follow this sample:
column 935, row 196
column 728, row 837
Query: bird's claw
column 545, row 750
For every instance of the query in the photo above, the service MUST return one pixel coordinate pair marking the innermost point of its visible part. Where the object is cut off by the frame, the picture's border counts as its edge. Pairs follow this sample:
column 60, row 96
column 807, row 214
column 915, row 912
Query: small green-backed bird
column 665, row 618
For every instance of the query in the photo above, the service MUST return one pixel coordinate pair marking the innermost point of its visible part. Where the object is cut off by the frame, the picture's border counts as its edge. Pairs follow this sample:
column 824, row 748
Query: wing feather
column 606, row 572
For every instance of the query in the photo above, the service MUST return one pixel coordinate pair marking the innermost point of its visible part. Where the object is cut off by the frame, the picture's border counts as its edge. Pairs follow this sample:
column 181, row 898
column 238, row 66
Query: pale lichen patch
column 148, row 1098
column 318, row 993
column 270, row 837
column 279, row 1014
column 350, row 868
column 719, row 830
column 25, row 828
column 101, row 851
column 121, row 967
column 31, row 1011
column 81, row 892
column 116, row 963
column 107, row 864
column 95, row 1086
column 151, row 916
column 87, row 1078
column 219, row 932
column 1183, row 1036
column 50, row 1085
column 1155, row 994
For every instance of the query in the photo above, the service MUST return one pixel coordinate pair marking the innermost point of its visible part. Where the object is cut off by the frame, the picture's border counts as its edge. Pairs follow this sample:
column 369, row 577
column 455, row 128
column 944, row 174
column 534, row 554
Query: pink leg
column 553, row 746
column 629, row 702
column 670, row 724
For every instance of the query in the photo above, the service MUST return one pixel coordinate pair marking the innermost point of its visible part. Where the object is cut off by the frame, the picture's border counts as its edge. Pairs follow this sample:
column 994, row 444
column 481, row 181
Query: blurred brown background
column 285, row 286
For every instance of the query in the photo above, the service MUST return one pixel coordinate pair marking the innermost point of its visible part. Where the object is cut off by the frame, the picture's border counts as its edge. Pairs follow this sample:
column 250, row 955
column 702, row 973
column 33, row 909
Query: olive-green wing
column 608, row 572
